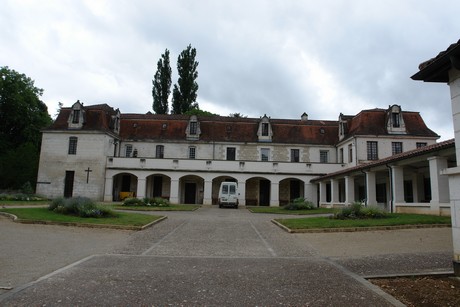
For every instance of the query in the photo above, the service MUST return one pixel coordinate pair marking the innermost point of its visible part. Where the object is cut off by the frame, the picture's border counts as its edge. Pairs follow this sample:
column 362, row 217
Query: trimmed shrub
column 156, row 202
column 133, row 202
column 300, row 204
column 358, row 211
column 79, row 206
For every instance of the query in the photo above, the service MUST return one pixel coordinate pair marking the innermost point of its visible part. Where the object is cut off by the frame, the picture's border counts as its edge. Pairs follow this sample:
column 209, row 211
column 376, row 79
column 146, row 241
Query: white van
column 228, row 194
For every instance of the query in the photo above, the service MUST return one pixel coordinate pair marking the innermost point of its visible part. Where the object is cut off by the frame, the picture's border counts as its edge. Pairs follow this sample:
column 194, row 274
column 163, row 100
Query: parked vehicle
column 228, row 194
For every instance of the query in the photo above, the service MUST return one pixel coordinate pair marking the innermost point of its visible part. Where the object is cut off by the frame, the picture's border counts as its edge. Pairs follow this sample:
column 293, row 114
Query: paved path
column 210, row 257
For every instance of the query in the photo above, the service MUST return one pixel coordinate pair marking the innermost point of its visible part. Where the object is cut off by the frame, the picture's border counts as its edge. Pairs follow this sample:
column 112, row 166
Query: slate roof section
column 437, row 69
column 373, row 122
column 96, row 117
column 402, row 156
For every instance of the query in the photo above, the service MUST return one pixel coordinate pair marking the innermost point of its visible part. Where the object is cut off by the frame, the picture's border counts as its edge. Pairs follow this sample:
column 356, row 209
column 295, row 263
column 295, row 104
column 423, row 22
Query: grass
column 24, row 202
column 281, row 210
column 43, row 214
column 152, row 208
column 395, row 219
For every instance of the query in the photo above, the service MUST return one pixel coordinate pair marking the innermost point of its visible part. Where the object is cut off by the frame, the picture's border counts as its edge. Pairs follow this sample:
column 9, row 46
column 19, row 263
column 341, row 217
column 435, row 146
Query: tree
column 22, row 116
column 199, row 112
column 162, row 85
column 185, row 91
column 237, row 115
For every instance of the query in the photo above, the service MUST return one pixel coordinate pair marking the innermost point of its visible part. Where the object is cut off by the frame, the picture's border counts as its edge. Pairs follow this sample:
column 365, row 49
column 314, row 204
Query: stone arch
column 216, row 186
column 158, row 185
column 290, row 189
column 124, row 185
column 258, row 191
column 191, row 189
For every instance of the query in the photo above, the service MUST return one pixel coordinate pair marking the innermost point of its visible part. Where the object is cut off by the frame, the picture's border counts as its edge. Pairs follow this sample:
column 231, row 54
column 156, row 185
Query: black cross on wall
column 87, row 174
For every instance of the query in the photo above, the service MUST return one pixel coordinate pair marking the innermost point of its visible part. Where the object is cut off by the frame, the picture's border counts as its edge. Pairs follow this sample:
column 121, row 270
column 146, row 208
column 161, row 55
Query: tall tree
column 185, row 91
column 162, row 85
column 22, row 116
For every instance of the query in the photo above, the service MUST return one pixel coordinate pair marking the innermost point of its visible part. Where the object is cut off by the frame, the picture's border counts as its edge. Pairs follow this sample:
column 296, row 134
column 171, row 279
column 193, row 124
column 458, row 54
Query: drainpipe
column 391, row 188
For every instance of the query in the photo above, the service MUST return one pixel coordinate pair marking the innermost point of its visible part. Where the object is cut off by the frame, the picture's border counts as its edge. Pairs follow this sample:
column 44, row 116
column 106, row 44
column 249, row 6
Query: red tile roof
column 227, row 129
column 398, row 157
column 96, row 117
column 373, row 122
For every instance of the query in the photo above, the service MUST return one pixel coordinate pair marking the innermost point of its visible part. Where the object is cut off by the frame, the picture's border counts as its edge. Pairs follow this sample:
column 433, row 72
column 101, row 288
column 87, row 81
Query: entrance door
column 190, row 193
column 264, row 193
column 68, row 183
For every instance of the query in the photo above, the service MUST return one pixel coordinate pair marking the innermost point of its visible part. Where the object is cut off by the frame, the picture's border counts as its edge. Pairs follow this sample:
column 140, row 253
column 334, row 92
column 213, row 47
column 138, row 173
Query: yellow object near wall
column 124, row 195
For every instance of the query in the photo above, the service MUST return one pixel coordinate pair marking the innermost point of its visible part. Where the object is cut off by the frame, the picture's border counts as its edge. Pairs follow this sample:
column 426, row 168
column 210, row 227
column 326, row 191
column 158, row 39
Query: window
column 73, row 145
column 232, row 190
column 396, row 148
column 193, row 128
column 159, row 152
column 231, row 153
column 395, row 119
column 264, row 129
column 341, row 155
column 372, row 153
column 265, row 154
column 350, row 153
column 76, row 117
column 295, row 157
column 192, row 152
column 421, row 144
column 128, row 150
column 323, row 156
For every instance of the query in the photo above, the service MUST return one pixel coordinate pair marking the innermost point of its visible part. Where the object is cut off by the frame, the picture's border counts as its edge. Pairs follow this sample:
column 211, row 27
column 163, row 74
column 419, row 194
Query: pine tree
column 185, row 91
column 162, row 85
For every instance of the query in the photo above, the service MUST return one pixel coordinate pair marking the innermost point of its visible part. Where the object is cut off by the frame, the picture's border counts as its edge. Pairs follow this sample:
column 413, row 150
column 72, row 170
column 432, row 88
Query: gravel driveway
column 209, row 257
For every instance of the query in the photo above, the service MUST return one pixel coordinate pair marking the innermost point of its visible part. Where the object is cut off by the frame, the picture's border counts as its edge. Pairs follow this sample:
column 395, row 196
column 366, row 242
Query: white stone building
column 445, row 68
column 97, row 152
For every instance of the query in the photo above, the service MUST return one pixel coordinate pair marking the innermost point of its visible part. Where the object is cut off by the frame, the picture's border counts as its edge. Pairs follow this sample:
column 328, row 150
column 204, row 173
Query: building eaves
column 437, row 69
column 402, row 156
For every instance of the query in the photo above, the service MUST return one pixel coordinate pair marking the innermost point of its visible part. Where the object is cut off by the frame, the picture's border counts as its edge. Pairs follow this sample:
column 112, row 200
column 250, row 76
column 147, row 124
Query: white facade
column 185, row 158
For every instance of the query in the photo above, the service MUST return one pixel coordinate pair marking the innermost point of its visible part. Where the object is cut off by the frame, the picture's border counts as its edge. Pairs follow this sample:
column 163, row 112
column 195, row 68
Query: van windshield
column 225, row 189
column 232, row 189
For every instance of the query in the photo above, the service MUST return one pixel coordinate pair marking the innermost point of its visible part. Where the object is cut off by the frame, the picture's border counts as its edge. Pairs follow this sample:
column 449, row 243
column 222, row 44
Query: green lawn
column 151, row 208
column 392, row 220
column 281, row 210
column 24, row 202
column 43, row 214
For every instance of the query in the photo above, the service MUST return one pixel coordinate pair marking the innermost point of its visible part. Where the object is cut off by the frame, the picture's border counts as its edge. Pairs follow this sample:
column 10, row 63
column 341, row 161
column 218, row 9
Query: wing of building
column 97, row 152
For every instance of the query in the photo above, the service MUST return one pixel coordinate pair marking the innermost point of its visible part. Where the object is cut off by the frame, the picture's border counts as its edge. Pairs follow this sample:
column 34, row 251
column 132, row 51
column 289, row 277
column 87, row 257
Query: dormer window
column 76, row 117
column 265, row 131
column 193, row 129
column 395, row 120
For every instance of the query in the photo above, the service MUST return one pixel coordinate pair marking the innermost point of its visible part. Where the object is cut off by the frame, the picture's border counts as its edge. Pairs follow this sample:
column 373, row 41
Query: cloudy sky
column 274, row 57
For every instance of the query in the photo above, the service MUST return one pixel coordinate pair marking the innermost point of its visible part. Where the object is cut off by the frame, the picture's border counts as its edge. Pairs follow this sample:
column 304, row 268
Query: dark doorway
column 381, row 192
column 190, row 193
column 294, row 190
column 408, row 191
column 68, row 183
column 157, row 186
column 264, row 193
column 126, row 183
